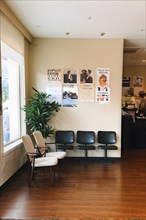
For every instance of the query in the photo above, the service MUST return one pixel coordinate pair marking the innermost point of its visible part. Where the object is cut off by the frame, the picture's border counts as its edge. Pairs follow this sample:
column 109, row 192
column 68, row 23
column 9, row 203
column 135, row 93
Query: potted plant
column 39, row 111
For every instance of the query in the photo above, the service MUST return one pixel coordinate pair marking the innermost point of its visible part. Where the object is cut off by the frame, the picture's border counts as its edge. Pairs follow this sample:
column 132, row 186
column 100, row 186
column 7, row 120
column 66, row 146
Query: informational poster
column 55, row 92
column 86, row 76
column 69, row 75
column 70, row 95
column 103, row 86
column 86, row 93
column 102, row 97
column 126, row 81
column 138, row 82
column 54, row 75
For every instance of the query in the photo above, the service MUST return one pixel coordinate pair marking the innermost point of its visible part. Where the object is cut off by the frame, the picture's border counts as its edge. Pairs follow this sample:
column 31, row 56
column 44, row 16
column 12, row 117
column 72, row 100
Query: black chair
column 64, row 139
column 107, row 141
column 85, row 139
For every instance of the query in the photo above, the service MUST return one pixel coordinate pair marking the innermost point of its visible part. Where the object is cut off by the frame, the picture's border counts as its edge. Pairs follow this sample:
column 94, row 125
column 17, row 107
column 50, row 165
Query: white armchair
column 42, row 146
column 37, row 162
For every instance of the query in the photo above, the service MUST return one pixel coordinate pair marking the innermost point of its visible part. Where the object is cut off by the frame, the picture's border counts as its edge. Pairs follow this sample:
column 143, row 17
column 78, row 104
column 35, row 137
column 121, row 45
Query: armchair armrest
column 31, row 154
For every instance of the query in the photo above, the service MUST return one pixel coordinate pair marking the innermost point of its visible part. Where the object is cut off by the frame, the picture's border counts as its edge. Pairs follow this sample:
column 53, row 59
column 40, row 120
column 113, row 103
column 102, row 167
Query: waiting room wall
column 80, row 54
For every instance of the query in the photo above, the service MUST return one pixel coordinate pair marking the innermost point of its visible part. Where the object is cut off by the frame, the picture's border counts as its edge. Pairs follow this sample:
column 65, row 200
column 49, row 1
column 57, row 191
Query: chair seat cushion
column 109, row 147
column 59, row 155
column 87, row 147
column 45, row 161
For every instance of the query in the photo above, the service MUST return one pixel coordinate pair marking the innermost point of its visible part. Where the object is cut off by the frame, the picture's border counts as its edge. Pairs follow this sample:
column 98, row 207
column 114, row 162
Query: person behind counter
column 142, row 105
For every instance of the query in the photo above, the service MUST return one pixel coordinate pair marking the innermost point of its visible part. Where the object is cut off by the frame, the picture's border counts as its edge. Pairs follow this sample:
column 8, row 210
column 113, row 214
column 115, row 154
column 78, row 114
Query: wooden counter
column 133, row 133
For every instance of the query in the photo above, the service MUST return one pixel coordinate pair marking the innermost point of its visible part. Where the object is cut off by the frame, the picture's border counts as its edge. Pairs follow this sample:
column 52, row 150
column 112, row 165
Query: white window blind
column 11, row 36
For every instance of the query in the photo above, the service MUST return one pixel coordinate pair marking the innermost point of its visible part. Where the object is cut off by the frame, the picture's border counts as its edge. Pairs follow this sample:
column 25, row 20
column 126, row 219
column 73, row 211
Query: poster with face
column 103, row 86
column 70, row 75
column 86, row 76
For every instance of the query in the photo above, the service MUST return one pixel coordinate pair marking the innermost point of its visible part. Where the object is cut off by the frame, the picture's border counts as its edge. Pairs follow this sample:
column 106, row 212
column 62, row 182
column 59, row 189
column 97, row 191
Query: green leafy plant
column 39, row 111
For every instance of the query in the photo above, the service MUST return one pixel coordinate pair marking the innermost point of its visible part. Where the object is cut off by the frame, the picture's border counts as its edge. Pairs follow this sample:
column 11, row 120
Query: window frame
column 21, row 94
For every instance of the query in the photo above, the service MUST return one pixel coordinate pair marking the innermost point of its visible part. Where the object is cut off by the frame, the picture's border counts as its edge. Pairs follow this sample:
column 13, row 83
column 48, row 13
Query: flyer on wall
column 138, row 82
column 103, row 86
column 70, row 75
column 86, row 93
column 55, row 92
column 86, row 76
column 70, row 95
column 102, row 97
column 54, row 75
column 126, row 83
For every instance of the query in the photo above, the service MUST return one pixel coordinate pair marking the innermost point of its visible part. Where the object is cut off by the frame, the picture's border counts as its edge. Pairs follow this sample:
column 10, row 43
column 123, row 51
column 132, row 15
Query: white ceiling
column 87, row 19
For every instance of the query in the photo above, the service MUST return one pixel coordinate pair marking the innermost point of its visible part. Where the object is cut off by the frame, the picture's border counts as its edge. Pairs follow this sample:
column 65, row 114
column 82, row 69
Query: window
column 12, row 75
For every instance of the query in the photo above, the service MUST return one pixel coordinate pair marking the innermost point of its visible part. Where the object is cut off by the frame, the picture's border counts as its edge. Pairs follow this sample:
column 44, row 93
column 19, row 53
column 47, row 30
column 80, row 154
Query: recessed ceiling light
column 144, row 61
column 39, row 26
column 89, row 17
column 102, row 33
column 67, row 33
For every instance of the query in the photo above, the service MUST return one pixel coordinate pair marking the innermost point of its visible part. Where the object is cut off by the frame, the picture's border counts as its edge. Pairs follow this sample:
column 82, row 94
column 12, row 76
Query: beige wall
column 82, row 53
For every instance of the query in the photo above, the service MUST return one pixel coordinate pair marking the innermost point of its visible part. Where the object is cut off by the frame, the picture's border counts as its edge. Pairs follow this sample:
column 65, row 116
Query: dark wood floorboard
column 84, row 191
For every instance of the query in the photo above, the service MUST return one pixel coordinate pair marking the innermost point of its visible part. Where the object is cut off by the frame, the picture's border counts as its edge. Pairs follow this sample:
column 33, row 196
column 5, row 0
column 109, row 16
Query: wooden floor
column 83, row 191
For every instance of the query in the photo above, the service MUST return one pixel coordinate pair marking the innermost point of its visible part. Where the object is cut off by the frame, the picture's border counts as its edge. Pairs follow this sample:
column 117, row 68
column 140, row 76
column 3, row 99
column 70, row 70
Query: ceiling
column 87, row 19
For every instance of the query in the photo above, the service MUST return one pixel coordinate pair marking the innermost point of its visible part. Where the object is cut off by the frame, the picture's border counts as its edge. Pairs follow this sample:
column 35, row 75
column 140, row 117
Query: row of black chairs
column 64, row 140
column 39, row 156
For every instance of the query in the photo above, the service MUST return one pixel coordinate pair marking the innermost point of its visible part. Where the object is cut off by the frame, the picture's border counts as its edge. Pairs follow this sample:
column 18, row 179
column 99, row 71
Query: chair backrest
column 85, row 137
column 106, row 137
column 64, row 137
column 28, row 145
column 39, row 139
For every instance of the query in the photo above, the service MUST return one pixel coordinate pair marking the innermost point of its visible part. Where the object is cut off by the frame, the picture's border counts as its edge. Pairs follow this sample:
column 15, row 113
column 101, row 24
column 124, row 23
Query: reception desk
column 133, row 133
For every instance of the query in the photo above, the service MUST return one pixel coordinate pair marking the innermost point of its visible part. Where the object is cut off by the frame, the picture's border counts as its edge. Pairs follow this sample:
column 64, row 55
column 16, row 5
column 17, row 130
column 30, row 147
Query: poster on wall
column 69, row 75
column 102, row 97
column 54, row 75
column 138, row 82
column 70, row 95
column 126, row 80
column 55, row 92
column 103, row 86
column 126, row 83
column 86, row 76
column 86, row 93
